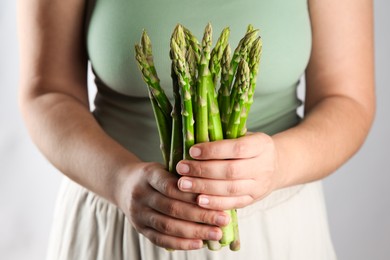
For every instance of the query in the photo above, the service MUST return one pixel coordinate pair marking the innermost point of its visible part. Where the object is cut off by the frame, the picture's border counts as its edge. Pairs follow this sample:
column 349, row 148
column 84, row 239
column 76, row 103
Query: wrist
column 122, row 180
column 283, row 166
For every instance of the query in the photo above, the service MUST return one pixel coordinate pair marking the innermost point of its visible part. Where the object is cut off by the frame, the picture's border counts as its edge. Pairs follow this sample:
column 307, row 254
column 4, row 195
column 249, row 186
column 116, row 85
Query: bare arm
column 53, row 95
column 54, row 102
column 340, row 101
column 340, row 107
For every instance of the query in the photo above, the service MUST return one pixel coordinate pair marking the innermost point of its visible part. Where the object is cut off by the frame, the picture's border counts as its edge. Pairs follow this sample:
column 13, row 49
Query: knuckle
column 239, row 148
column 218, row 204
column 169, row 188
column 150, row 168
column 197, row 169
column 167, row 227
column 233, row 188
column 202, row 188
column 157, row 240
column 231, row 171
column 137, row 193
column 164, row 186
column 173, row 209
column 199, row 186
column 152, row 221
column 198, row 233
column 204, row 217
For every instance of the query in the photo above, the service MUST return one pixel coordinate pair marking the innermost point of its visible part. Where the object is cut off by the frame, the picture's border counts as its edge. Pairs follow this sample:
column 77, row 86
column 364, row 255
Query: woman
column 118, row 202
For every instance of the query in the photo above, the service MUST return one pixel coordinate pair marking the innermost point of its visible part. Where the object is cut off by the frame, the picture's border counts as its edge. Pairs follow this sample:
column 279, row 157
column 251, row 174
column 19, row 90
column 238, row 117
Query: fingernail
column 196, row 245
column 214, row 235
column 222, row 220
column 203, row 201
column 195, row 152
column 185, row 184
column 183, row 168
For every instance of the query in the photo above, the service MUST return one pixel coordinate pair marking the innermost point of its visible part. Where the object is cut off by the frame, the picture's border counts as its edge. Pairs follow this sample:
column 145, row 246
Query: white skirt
column 289, row 224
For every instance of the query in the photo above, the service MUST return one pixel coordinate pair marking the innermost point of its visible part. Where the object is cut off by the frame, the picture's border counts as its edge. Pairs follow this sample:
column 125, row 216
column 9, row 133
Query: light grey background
column 358, row 195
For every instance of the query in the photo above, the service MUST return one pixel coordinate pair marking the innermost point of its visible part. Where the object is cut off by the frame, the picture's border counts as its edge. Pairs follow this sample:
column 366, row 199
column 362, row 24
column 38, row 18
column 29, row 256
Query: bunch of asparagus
column 200, row 113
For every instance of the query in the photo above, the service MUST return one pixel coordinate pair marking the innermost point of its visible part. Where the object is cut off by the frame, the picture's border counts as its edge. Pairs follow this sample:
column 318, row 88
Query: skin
column 54, row 103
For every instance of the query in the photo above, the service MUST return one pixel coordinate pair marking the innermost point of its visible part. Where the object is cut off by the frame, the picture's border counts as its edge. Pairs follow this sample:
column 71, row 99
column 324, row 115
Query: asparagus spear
column 217, row 53
column 176, row 147
column 164, row 129
column 254, row 62
column 184, row 78
column 193, row 43
column 224, row 90
column 144, row 57
column 202, row 117
column 241, row 52
column 242, row 86
column 201, row 133
column 235, row 244
column 157, row 97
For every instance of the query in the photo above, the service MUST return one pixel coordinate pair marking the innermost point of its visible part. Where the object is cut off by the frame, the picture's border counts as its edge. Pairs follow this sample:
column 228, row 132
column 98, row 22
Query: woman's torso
column 122, row 105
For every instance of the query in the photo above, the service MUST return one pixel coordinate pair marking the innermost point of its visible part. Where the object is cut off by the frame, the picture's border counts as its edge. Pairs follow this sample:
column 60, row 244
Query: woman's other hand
column 231, row 173
column 170, row 218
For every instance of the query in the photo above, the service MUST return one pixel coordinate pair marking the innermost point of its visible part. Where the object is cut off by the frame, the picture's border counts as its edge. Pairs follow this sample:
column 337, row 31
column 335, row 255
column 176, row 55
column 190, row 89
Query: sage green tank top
column 122, row 105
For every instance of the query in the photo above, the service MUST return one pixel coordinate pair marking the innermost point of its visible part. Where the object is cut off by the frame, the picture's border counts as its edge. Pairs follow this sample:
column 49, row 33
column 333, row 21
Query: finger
column 166, row 184
column 171, row 242
column 218, row 169
column 186, row 211
column 216, row 187
column 181, row 228
column 224, row 203
column 244, row 147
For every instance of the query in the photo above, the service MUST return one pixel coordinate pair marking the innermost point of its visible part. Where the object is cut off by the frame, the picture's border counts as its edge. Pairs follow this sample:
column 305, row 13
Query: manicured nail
column 213, row 235
column 203, row 201
column 183, row 168
column 185, row 184
column 195, row 152
column 222, row 220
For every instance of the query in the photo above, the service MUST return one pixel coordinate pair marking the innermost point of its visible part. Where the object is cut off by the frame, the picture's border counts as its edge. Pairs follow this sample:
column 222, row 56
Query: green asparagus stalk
column 217, row 53
column 241, row 52
column 236, row 243
column 205, row 84
column 176, row 147
column 182, row 71
column 193, row 43
column 215, row 125
column 204, row 79
column 145, row 57
column 224, row 90
column 157, row 97
column 240, row 100
column 193, row 70
column 164, row 129
column 254, row 62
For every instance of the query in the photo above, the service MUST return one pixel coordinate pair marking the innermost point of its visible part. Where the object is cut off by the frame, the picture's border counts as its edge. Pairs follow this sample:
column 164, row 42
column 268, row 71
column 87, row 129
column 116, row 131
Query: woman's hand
column 170, row 218
column 231, row 173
